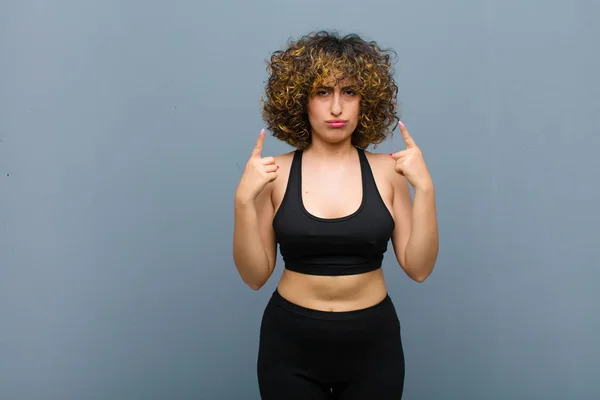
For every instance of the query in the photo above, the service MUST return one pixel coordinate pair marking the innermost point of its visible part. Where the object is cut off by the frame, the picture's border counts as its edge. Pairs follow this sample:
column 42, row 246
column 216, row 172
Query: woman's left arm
column 415, row 238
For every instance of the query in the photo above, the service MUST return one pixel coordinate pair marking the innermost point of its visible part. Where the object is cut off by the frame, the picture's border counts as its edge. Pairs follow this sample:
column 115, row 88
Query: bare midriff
column 333, row 293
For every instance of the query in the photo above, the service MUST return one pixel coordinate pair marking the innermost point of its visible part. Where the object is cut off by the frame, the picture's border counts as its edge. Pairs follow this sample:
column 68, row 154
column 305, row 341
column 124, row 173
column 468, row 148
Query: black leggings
column 307, row 354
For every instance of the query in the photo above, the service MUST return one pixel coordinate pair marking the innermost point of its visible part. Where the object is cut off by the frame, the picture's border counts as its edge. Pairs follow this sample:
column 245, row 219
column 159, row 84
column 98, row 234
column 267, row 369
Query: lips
column 337, row 123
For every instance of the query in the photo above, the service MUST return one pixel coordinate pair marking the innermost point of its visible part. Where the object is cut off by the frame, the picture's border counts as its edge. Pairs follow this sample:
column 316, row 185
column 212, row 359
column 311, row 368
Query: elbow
column 420, row 275
column 252, row 280
column 253, row 276
column 421, row 270
column 420, row 278
column 254, row 286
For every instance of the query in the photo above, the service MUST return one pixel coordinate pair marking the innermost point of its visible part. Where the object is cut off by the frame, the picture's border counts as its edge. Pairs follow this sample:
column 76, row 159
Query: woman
column 330, row 329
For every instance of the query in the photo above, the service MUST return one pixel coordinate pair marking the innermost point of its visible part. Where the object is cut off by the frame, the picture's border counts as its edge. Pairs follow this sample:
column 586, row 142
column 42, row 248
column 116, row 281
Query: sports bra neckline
column 298, row 171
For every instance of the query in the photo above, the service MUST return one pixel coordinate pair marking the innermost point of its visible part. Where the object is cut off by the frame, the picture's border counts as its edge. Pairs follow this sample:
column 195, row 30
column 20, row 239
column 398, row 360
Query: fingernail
column 401, row 124
column 278, row 167
column 391, row 155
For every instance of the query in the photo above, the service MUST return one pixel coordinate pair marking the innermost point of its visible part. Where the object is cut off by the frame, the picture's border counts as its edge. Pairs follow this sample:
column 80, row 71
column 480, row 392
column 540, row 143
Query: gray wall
column 123, row 125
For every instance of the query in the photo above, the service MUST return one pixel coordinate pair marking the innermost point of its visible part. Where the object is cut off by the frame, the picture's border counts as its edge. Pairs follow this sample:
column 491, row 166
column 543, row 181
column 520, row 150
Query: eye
column 351, row 92
column 322, row 92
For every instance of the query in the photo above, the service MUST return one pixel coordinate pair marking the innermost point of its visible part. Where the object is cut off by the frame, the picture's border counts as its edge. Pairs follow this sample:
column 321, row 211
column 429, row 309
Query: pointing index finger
column 406, row 136
column 257, row 151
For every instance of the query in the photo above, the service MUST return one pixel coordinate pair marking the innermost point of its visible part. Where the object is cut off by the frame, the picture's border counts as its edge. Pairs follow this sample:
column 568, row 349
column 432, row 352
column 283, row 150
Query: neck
column 331, row 151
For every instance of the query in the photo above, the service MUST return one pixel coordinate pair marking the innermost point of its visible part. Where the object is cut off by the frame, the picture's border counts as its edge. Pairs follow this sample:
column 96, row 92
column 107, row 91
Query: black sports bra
column 348, row 245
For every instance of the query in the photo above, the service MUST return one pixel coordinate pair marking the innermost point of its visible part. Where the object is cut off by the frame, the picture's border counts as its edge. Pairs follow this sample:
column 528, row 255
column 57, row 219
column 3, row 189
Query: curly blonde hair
column 296, row 72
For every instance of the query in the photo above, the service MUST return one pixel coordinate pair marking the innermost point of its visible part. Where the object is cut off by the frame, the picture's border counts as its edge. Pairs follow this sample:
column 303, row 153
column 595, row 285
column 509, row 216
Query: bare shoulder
column 380, row 158
column 284, row 160
column 278, row 186
column 382, row 165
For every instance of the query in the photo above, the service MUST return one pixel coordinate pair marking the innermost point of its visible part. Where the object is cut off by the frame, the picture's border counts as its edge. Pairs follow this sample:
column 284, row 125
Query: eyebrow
column 331, row 87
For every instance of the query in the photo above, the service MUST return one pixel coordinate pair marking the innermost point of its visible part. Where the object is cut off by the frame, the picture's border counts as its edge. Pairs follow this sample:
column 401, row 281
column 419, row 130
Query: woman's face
column 333, row 111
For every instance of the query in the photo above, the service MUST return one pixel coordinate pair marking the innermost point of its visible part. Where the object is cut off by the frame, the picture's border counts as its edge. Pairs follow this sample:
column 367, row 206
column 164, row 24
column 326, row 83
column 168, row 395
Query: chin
column 335, row 135
column 335, row 139
column 345, row 131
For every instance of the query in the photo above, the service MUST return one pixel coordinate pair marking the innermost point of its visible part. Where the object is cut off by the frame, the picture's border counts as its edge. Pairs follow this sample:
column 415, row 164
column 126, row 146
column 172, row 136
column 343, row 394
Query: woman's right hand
column 258, row 173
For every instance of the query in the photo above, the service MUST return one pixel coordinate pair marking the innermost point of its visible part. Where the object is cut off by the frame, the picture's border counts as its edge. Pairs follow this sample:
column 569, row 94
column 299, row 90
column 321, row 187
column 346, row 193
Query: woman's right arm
column 254, row 246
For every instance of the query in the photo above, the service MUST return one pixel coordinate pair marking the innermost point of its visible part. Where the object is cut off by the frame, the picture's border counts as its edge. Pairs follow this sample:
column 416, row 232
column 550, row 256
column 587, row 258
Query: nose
column 336, row 104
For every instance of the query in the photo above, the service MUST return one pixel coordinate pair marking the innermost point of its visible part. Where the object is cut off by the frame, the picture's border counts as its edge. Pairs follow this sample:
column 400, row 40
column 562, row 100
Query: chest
column 333, row 194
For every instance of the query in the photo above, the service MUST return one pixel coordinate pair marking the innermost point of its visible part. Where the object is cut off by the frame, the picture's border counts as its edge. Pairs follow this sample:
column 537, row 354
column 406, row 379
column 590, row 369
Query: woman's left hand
column 410, row 162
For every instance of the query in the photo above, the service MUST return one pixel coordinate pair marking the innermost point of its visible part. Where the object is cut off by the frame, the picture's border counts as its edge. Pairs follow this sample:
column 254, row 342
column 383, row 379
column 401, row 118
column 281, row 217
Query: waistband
column 371, row 311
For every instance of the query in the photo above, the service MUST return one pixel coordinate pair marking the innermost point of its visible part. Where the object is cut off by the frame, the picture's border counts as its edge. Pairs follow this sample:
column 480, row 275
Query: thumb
column 398, row 155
